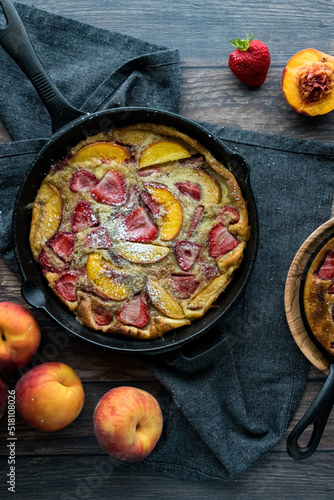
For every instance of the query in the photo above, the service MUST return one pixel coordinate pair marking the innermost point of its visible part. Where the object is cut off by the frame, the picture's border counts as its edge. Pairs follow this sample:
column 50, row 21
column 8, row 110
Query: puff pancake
column 319, row 297
column 139, row 230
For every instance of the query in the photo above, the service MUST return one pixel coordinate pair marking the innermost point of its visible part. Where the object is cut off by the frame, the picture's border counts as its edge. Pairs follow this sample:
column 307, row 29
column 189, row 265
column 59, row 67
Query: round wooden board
column 291, row 296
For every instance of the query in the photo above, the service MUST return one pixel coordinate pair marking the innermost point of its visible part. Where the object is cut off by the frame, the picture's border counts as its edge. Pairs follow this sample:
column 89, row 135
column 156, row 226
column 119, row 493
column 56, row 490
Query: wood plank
column 202, row 30
column 215, row 95
column 275, row 476
column 79, row 436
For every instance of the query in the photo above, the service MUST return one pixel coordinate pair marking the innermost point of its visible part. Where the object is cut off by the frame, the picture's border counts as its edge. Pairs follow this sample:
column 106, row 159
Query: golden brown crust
column 105, row 280
column 318, row 302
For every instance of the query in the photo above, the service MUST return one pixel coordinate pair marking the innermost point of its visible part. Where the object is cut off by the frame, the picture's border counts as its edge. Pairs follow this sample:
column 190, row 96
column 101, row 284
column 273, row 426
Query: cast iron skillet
column 321, row 407
column 71, row 126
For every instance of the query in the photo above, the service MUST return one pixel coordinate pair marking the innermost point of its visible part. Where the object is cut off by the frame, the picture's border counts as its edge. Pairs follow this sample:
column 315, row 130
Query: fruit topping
column 46, row 216
column 326, row 271
column 210, row 192
column 98, row 238
column 170, row 222
column 186, row 254
column 63, row 244
column 195, row 219
column 162, row 152
column 189, row 189
column 331, row 289
column 308, row 81
column 183, row 285
column 209, row 271
column 149, row 171
column 194, row 160
column 101, row 151
column 133, row 198
column 103, row 276
column 50, row 262
column 250, row 61
column 65, row 286
column 221, row 241
column 83, row 181
column 111, row 189
column 138, row 226
column 141, row 253
column 163, row 300
column 229, row 215
column 101, row 315
column 83, row 217
column 148, row 201
column 134, row 312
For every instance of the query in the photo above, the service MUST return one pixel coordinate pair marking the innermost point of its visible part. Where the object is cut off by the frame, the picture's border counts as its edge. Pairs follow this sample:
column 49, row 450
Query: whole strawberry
column 250, row 61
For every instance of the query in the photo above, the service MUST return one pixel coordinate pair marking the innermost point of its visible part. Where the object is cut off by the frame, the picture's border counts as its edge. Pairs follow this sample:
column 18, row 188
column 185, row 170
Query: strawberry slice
column 83, row 181
column 66, row 287
column 331, row 289
column 195, row 219
column 148, row 201
column 326, row 271
column 83, row 217
column 221, row 241
column 183, row 285
column 111, row 190
column 145, row 172
column 63, row 244
column 189, row 189
column 209, row 271
column 133, row 198
column 193, row 161
column 101, row 315
column 229, row 215
column 98, row 238
column 137, row 226
column 186, row 253
column 50, row 262
column 134, row 312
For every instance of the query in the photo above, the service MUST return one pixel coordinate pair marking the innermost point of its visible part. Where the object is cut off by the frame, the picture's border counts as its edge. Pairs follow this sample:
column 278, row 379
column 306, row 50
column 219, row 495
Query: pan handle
column 14, row 39
column 317, row 415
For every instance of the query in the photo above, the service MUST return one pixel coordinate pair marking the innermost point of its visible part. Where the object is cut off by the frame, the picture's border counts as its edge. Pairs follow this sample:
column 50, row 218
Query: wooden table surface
column 210, row 92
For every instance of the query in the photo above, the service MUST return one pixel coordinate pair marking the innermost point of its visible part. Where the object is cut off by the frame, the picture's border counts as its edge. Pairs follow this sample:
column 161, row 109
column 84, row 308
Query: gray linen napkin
column 220, row 420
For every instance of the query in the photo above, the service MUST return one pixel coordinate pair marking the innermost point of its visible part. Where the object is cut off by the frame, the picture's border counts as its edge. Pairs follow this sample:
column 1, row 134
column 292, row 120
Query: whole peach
column 49, row 396
column 20, row 336
column 128, row 423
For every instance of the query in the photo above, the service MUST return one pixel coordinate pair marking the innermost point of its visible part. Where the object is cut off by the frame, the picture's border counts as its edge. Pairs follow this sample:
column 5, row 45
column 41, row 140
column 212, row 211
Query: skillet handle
column 211, row 347
column 14, row 39
column 317, row 414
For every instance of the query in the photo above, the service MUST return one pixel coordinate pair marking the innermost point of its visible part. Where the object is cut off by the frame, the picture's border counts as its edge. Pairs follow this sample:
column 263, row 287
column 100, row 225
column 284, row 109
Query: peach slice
column 141, row 253
column 171, row 221
column 103, row 276
column 46, row 216
column 163, row 300
column 161, row 152
column 308, row 81
column 101, row 151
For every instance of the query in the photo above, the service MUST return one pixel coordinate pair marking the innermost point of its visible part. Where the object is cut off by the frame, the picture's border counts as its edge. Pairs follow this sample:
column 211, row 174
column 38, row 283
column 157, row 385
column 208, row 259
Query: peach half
column 308, row 81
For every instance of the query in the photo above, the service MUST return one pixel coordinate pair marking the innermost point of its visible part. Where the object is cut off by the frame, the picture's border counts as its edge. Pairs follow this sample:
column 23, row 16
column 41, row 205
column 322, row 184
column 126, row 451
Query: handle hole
column 3, row 18
column 305, row 437
column 206, row 342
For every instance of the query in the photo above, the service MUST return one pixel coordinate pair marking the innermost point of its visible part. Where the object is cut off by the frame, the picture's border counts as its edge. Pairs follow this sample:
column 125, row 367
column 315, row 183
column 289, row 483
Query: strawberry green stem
column 242, row 44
